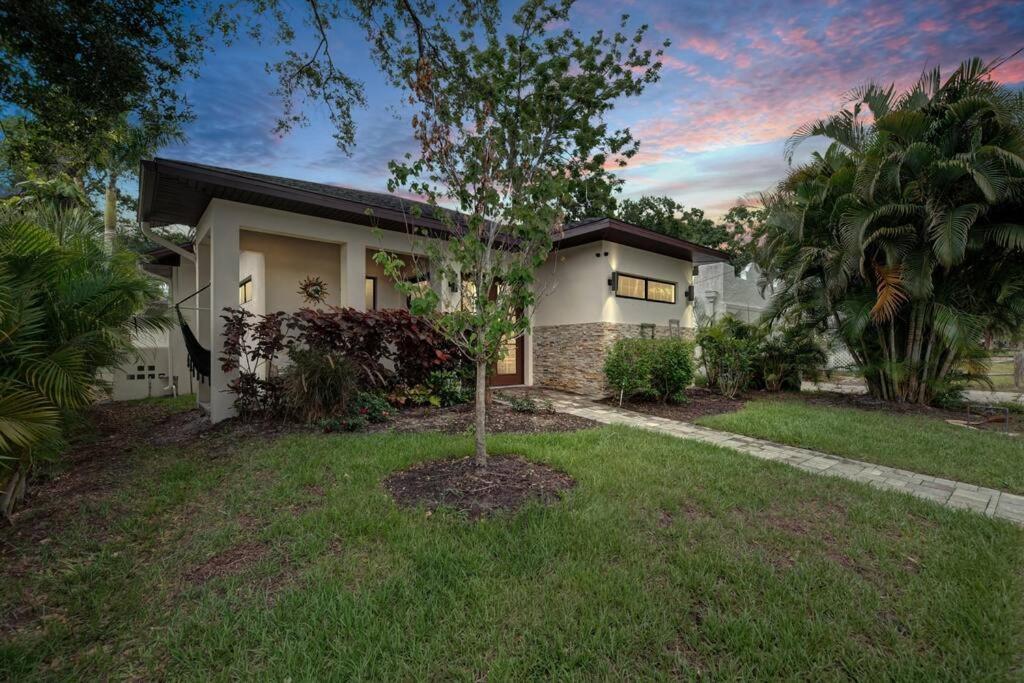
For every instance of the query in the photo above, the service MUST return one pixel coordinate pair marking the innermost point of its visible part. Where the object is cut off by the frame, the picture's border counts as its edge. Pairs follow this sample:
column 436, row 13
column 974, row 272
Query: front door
column 509, row 369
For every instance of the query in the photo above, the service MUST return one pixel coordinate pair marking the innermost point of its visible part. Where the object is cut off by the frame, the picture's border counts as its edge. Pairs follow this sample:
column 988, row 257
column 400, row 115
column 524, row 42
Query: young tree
column 508, row 126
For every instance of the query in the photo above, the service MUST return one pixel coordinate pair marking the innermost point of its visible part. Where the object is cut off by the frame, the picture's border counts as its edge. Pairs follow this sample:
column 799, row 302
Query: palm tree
column 124, row 145
column 67, row 309
column 905, row 237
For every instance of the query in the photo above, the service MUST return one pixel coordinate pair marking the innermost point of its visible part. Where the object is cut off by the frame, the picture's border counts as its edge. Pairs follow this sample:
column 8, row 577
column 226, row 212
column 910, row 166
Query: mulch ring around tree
column 506, row 484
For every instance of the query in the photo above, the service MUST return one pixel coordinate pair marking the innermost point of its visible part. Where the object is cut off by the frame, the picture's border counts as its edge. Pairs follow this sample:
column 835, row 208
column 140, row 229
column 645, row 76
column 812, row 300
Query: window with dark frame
column 645, row 289
column 371, row 293
column 245, row 290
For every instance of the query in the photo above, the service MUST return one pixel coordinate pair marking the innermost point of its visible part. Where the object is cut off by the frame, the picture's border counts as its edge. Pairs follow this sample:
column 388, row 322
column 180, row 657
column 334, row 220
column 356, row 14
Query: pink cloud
column 1010, row 72
column 709, row 47
column 797, row 37
column 932, row 26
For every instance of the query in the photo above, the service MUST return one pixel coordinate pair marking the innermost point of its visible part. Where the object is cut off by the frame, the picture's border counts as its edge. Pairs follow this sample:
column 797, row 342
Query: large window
column 245, row 290
column 635, row 287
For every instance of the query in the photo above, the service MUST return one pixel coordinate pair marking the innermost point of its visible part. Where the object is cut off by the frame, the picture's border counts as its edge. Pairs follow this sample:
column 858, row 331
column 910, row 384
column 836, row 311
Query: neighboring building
column 719, row 291
column 258, row 236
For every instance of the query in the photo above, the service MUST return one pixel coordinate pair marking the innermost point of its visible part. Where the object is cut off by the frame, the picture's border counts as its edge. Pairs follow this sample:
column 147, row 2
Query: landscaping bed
column 699, row 403
column 460, row 419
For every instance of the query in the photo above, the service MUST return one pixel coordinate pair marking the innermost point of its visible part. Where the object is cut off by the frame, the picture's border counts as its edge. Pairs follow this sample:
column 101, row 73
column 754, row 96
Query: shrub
column 627, row 367
column 651, row 368
column 318, row 384
column 373, row 407
column 251, row 346
column 671, row 369
column 382, row 348
column 528, row 404
column 448, row 386
column 374, row 340
column 738, row 355
column 785, row 358
column 727, row 350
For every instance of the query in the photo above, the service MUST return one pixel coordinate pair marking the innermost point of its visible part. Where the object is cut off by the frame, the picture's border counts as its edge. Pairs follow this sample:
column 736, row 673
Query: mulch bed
column 699, row 402
column 500, row 419
column 505, row 484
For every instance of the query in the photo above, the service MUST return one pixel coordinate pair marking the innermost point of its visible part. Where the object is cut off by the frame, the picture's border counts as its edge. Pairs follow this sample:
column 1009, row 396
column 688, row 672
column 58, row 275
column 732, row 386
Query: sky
column 738, row 78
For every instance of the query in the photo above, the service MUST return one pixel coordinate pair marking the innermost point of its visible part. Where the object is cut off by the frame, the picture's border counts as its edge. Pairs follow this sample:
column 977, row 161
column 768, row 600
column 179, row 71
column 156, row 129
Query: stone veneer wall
column 571, row 357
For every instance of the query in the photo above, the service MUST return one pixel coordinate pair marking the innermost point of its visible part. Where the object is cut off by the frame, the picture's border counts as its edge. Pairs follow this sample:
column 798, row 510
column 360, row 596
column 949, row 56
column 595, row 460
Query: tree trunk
column 481, row 412
column 110, row 214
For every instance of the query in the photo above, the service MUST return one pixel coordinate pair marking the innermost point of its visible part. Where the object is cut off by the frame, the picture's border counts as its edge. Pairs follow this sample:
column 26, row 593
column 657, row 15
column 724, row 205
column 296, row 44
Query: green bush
column 738, row 355
column 373, row 407
column 650, row 368
column 319, row 384
column 528, row 404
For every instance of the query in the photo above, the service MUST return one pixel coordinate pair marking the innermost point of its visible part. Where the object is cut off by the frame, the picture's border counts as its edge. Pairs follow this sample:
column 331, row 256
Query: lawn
column 284, row 558
column 918, row 443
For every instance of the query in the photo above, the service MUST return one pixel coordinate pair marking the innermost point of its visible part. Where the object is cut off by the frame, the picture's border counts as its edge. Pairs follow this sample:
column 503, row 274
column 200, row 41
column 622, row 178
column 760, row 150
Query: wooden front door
column 509, row 370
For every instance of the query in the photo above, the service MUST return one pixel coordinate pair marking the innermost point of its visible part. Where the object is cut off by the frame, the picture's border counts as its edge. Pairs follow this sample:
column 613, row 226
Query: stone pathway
column 955, row 494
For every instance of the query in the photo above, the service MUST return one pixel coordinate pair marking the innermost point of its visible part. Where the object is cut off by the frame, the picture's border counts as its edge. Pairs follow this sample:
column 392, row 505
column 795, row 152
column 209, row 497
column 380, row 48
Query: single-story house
column 257, row 236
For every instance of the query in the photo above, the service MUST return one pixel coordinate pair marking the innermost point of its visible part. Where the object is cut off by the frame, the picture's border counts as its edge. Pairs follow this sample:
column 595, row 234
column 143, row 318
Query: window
column 633, row 287
column 245, row 290
column 661, row 291
column 371, row 293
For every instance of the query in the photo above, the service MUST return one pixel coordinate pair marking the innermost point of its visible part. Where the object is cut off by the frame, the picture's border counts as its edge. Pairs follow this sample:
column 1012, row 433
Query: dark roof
column 179, row 191
column 173, row 191
column 613, row 230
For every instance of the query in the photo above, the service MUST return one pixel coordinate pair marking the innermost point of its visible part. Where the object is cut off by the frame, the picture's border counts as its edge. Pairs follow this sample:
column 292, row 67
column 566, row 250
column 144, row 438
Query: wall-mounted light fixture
column 689, row 293
column 613, row 281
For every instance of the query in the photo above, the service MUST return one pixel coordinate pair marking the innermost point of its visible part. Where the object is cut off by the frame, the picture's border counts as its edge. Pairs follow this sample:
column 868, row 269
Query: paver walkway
column 956, row 494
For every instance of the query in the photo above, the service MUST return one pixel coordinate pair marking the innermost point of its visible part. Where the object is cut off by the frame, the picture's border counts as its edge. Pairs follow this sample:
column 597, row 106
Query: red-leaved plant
column 388, row 348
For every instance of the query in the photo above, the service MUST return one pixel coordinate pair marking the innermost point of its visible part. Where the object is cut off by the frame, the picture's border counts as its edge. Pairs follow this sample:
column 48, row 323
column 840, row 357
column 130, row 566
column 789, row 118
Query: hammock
column 198, row 357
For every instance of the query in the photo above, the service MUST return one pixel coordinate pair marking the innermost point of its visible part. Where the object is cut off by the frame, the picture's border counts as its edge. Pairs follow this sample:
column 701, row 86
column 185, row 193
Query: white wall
column 573, row 286
column 738, row 295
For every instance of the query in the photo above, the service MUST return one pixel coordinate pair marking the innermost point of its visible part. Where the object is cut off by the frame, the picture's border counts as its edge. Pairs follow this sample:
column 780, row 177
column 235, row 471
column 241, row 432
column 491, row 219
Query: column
column 353, row 276
column 199, row 318
column 224, row 254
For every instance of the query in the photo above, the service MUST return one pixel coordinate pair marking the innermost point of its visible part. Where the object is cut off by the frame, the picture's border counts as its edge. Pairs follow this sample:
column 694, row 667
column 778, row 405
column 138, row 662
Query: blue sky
column 738, row 78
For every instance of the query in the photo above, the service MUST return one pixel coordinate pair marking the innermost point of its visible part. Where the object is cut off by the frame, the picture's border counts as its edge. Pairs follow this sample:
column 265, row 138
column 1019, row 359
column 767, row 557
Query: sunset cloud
column 738, row 78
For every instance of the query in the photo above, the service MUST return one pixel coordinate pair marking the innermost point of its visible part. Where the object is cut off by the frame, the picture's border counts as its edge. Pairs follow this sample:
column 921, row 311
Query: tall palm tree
column 905, row 236
column 67, row 309
column 123, row 146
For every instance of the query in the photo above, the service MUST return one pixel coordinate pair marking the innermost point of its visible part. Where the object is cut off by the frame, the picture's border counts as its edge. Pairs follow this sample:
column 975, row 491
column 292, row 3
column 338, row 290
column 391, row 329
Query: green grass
column 174, row 404
column 668, row 559
column 921, row 444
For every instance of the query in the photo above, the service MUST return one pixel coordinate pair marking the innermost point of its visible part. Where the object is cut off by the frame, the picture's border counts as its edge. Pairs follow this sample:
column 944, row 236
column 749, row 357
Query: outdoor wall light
column 689, row 293
column 613, row 280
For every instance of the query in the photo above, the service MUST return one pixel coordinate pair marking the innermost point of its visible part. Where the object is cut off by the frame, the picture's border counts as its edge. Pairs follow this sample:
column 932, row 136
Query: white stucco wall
column 287, row 261
column 573, row 286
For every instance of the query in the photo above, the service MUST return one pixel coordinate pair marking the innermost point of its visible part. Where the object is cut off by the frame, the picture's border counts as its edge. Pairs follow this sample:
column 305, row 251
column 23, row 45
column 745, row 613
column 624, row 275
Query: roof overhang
column 612, row 230
column 177, row 192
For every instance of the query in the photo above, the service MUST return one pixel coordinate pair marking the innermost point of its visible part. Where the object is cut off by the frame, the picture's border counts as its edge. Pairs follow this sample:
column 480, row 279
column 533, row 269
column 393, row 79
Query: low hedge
column 650, row 368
